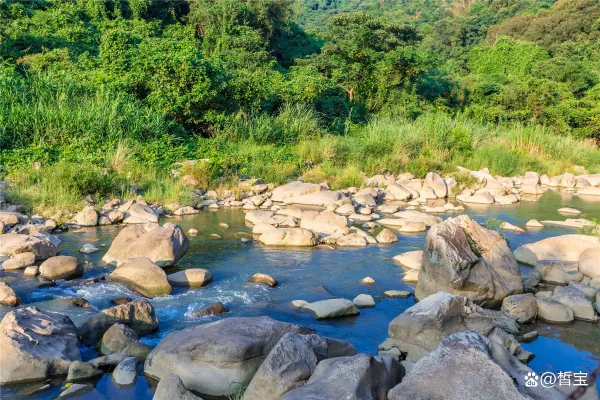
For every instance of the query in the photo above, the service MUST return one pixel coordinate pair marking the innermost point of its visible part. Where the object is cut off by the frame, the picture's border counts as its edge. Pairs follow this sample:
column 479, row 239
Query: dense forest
column 108, row 95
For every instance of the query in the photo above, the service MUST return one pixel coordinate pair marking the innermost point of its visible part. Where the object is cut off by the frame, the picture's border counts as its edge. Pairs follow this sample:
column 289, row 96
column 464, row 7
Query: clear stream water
column 308, row 274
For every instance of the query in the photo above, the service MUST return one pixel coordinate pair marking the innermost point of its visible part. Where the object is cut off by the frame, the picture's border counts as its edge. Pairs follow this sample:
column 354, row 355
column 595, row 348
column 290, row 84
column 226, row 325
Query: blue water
column 307, row 274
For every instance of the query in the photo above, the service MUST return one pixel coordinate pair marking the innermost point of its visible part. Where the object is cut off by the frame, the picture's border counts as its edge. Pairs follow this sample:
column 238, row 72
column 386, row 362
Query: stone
column 12, row 244
column 534, row 223
column 8, row 297
column 108, row 362
column 506, row 200
column 345, row 209
column 79, row 371
column 461, row 367
column 411, row 276
column 170, row 387
column 531, row 178
column 142, row 275
column 263, row 279
column 77, row 389
column 125, row 372
column 417, row 216
column 397, row 294
column 507, row 226
column 569, row 211
column 187, row 210
column 163, row 245
column 437, row 184
column 295, row 237
column 365, row 200
column 86, row 217
column 19, row 261
column 212, row 309
column 420, row 328
column 589, row 291
column 368, row 280
column 553, row 311
column 574, row 299
column 10, row 219
column 31, row 271
column 397, row 192
column 114, row 216
column 351, row 240
column 410, row 259
column 191, row 277
column 589, row 191
column 589, row 262
column 480, row 198
column 192, row 232
column 350, row 378
column 139, row 315
column 364, row 300
column 291, row 363
column 531, row 281
column 88, row 249
column 568, row 180
column 140, row 214
column 520, row 307
column 305, row 193
column 256, row 216
column 325, row 222
column 209, row 357
column 117, row 338
column 561, row 248
column 462, row 257
column 412, row 227
column 332, row 308
column 61, row 267
column 532, row 189
column 386, row 236
column 36, row 345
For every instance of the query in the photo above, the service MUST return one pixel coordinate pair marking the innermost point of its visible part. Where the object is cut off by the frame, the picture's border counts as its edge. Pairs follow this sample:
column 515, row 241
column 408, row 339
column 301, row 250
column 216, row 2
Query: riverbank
column 48, row 179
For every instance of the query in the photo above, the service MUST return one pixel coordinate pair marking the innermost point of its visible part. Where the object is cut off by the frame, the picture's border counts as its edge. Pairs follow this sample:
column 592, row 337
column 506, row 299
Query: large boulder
column 420, row 328
column 295, row 237
column 325, row 222
column 170, row 387
column 360, row 377
column 291, row 363
column 560, row 248
column 164, row 245
column 435, row 182
column 143, row 276
column 61, row 267
column 462, row 257
column 553, row 311
column 589, row 262
column 210, row 357
column 36, row 345
column 86, row 217
column 12, row 244
column 305, row 193
column 139, row 315
column 576, row 300
column 140, row 214
column 467, row 365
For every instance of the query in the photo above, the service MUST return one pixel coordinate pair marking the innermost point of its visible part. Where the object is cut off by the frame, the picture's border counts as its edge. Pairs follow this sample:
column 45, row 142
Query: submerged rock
column 462, row 257
column 36, row 345
column 332, row 308
column 263, row 279
column 461, row 368
column 212, row 309
column 191, row 277
column 209, row 357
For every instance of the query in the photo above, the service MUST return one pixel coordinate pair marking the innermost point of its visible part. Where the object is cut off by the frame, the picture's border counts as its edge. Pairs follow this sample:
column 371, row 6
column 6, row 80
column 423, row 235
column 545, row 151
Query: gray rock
column 462, row 257
column 289, row 365
column 520, row 307
column 212, row 309
column 397, row 294
column 350, row 378
column 364, row 300
column 139, row 315
column 125, row 373
column 467, row 365
column 163, row 245
column 332, row 308
column 88, row 249
column 170, row 387
column 117, row 338
column 420, row 328
column 36, row 345
column 210, row 357
column 79, row 371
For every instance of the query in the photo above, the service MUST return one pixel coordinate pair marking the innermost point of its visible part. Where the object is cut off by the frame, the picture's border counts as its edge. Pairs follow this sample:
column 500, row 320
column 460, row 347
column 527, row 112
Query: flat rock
column 561, row 248
column 410, row 259
column 397, row 294
column 332, row 308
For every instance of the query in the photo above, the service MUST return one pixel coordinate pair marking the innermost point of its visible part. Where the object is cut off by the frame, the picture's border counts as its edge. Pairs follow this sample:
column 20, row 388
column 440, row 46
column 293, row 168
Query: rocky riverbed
column 307, row 280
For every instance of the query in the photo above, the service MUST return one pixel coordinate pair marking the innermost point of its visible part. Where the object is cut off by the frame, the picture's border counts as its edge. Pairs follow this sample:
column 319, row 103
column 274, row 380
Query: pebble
column 368, row 280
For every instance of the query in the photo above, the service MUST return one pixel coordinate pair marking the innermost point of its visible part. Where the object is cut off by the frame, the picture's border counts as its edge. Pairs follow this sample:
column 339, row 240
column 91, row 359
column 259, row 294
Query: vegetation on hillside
column 108, row 96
